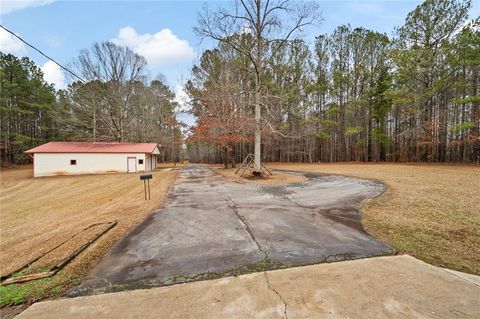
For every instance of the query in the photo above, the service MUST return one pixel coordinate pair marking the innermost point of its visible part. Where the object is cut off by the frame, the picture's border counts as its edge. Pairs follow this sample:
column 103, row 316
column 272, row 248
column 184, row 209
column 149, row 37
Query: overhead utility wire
column 39, row 51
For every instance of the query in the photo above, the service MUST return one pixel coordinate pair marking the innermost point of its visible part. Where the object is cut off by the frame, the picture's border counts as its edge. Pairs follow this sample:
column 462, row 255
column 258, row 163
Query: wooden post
column 145, row 189
column 148, row 182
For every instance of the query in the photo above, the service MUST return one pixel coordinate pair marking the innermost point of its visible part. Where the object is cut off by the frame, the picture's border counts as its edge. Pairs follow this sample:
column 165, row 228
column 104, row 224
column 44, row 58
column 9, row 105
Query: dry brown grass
column 275, row 179
column 429, row 211
column 171, row 165
column 38, row 213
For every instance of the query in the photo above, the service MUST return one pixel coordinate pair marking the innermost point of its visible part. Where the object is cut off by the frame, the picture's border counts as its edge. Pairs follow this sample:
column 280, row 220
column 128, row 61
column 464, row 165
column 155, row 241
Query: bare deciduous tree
column 263, row 20
column 114, row 72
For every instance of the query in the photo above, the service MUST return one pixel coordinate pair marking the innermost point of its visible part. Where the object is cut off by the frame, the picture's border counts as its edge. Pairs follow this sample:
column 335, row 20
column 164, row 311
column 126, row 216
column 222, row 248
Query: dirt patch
column 429, row 211
column 277, row 178
column 39, row 213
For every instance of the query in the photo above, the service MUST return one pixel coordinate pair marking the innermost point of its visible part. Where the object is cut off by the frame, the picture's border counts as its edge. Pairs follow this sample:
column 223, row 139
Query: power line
column 39, row 51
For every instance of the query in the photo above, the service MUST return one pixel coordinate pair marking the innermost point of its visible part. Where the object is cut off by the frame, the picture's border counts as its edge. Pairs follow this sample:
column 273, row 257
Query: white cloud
column 10, row 6
column 182, row 98
column 161, row 48
column 53, row 74
column 10, row 44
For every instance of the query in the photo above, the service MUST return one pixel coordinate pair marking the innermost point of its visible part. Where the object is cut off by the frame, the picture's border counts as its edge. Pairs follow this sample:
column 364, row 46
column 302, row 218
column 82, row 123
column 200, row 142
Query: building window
column 73, row 162
column 140, row 162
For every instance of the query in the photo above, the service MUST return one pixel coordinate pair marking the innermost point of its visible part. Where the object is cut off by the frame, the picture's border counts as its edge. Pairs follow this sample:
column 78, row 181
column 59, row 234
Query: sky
column 161, row 31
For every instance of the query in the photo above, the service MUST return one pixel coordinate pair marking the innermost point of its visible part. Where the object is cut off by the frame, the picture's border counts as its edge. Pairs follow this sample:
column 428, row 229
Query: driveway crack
column 233, row 206
column 288, row 198
column 279, row 296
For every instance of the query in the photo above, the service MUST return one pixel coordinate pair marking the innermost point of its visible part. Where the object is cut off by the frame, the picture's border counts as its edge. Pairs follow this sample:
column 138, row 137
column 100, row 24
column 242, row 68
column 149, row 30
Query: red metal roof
column 93, row 147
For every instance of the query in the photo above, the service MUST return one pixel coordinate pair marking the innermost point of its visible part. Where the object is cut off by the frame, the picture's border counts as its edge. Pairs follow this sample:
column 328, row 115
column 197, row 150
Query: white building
column 66, row 158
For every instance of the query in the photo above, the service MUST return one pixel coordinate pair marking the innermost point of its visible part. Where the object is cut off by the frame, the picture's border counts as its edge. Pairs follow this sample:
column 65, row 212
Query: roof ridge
column 93, row 147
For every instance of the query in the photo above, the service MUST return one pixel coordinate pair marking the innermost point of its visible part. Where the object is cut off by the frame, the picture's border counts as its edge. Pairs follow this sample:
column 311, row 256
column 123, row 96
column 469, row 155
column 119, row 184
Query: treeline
column 112, row 100
column 356, row 95
column 25, row 109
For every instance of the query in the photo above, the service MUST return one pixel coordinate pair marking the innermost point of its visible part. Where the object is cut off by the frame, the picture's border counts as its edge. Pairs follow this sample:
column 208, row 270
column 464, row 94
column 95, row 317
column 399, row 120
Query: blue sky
column 161, row 30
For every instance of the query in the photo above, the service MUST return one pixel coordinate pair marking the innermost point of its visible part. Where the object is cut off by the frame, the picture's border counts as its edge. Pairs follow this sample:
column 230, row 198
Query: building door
column 154, row 162
column 131, row 164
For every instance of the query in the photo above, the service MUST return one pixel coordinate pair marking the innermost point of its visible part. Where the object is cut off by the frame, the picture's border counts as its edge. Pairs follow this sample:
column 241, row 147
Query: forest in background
column 111, row 100
column 357, row 95
column 354, row 95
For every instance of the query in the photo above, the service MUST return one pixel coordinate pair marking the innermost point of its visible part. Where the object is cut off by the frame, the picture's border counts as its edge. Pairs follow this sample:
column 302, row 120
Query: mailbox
column 146, row 184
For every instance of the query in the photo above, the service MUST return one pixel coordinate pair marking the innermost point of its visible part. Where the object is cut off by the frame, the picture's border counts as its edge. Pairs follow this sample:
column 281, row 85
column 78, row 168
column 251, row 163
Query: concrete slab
column 468, row 277
column 212, row 227
column 382, row 287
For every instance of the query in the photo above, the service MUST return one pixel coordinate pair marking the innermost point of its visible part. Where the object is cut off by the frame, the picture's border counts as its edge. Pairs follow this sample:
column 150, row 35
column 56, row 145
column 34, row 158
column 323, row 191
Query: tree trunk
column 258, row 141
column 257, row 151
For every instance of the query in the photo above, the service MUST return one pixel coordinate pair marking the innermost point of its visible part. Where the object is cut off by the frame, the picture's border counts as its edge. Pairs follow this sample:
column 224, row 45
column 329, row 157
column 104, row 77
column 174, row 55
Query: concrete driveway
column 211, row 227
column 381, row 287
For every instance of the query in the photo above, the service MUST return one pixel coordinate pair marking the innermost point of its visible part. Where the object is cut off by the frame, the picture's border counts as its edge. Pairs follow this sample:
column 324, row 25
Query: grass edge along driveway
column 429, row 211
column 38, row 213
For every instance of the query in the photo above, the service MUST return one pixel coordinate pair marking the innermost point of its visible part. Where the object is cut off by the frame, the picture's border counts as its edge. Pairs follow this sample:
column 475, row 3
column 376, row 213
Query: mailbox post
column 146, row 184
